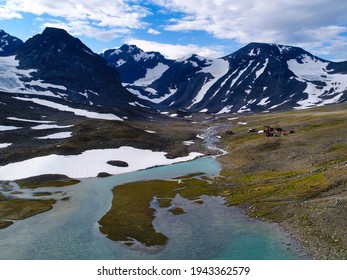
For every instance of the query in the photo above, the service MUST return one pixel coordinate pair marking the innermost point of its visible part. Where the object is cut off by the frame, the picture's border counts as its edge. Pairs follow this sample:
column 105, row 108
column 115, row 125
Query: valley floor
column 297, row 180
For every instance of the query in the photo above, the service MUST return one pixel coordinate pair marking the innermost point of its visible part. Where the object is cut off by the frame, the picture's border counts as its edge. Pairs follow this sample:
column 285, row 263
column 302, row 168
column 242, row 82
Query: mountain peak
column 54, row 30
column 131, row 49
column 8, row 44
column 61, row 59
column 265, row 50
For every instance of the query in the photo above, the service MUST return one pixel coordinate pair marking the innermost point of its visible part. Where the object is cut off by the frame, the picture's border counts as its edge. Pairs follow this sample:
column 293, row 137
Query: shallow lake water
column 207, row 231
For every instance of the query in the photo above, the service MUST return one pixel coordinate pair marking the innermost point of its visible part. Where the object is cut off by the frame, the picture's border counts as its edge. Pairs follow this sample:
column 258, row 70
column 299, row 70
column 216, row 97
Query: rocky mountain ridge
column 257, row 78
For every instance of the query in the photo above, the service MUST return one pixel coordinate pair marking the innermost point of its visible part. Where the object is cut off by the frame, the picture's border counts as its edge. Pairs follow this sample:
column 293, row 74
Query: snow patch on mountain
column 10, row 79
column 54, row 136
column 259, row 72
column 218, row 68
column 27, row 120
column 5, row 145
column 320, row 82
column 77, row 112
column 264, row 101
column 8, row 127
column 152, row 75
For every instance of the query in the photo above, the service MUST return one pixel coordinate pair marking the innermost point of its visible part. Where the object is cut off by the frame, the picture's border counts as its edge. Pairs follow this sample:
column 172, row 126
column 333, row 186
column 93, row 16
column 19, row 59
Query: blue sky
column 178, row 28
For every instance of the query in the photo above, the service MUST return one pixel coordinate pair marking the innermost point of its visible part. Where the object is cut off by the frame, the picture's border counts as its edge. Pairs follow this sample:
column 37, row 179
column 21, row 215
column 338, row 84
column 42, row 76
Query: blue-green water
column 208, row 231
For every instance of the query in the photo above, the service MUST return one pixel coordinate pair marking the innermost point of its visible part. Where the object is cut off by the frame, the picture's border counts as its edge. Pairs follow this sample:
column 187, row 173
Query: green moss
column 130, row 216
column 199, row 201
column 189, row 176
column 52, row 180
column 177, row 211
column 38, row 194
column 5, row 224
column 19, row 209
column 164, row 202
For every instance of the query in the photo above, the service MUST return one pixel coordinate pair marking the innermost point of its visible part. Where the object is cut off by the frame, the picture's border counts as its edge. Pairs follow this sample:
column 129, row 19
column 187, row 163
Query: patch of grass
column 5, row 224
column 38, row 194
column 177, row 211
column 52, row 180
column 189, row 176
column 164, row 202
column 131, row 216
column 19, row 209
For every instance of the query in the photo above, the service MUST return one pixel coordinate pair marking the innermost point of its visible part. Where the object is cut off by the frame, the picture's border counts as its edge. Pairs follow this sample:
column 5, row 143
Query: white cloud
column 318, row 25
column 153, row 31
column 91, row 18
column 174, row 51
column 81, row 27
column 7, row 13
column 309, row 22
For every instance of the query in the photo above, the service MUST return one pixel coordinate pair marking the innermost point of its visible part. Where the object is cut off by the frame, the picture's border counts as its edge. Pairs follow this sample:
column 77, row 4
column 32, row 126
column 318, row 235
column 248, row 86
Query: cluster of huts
column 268, row 131
column 272, row 131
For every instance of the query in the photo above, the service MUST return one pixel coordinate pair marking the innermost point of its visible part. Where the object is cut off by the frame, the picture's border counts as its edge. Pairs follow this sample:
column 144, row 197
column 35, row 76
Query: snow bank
column 49, row 126
column 5, row 145
column 89, row 163
column 27, row 120
column 8, row 127
column 59, row 135
column 188, row 143
column 77, row 112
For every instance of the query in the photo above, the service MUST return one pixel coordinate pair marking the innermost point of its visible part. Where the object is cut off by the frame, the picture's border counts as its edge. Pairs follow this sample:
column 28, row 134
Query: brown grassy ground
column 19, row 209
column 131, row 216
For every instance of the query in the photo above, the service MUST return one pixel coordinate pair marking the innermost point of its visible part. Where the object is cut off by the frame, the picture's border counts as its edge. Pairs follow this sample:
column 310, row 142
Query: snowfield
column 89, row 164
column 10, row 79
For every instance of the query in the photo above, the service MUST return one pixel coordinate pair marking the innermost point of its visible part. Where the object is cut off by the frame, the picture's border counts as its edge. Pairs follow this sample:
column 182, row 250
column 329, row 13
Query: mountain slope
column 136, row 66
column 258, row 77
column 8, row 44
column 57, row 58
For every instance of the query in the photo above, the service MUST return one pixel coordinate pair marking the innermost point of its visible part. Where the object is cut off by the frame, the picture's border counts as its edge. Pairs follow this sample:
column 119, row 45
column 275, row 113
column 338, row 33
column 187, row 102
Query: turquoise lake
column 208, row 231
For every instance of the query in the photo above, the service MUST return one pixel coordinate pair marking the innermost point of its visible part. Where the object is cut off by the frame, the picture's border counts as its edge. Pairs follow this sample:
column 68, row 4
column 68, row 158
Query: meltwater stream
column 208, row 231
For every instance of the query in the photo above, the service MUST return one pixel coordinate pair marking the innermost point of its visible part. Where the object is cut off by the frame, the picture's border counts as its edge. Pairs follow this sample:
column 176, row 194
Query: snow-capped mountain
column 135, row 66
column 59, row 62
column 56, row 66
column 8, row 44
column 258, row 77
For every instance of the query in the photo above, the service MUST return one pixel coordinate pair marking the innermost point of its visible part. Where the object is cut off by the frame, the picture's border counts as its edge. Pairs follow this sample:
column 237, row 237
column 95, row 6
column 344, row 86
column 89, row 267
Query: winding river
column 208, row 231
